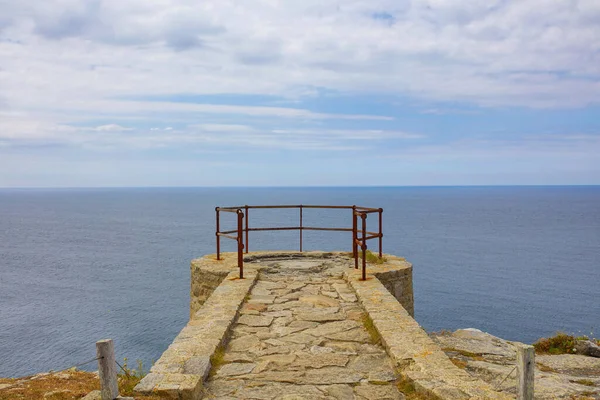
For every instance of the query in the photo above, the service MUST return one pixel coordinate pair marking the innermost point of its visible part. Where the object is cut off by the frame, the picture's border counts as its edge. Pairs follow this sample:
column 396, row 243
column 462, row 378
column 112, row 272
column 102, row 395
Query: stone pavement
column 302, row 334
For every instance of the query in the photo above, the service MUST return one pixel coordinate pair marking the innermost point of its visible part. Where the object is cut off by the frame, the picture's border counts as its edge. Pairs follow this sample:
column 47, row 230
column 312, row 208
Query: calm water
column 80, row 265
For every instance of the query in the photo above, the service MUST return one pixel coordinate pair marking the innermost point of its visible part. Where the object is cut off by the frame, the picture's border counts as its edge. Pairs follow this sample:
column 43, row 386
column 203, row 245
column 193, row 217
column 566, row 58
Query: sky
column 299, row 93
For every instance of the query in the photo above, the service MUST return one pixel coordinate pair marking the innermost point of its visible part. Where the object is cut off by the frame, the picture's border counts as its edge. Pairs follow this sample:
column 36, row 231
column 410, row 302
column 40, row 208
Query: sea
column 80, row 265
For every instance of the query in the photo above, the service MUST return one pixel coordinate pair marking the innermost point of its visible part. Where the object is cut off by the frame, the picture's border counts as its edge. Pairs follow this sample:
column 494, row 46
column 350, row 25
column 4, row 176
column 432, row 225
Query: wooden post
column 105, row 351
column 525, row 372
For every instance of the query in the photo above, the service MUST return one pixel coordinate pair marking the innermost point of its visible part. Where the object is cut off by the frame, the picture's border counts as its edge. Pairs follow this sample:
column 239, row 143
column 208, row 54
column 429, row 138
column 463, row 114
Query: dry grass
column 464, row 353
column 585, row 382
column 459, row 363
column 545, row 368
column 64, row 385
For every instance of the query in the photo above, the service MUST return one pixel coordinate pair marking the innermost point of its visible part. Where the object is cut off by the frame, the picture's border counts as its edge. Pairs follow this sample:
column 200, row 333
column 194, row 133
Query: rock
column 332, row 327
column 320, row 350
column 280, row 359
column 320, row 301
column 344, row 292
column 254, row 307
column 340, row 392
column 333, row 295
column 330, row 375
column 300, row 337
column 261, row 299
column 93, row 395
column 587, row 348
column 369, row 362
column 354, row 335
column 243, row 343
column 322, row 360
column 476, row 342
column 381, row 377
column 197, row 366
column 322, row 315
column 235, row 369
column 571, row 364
column 252, row 320
column 237, row 357
column 379, row 392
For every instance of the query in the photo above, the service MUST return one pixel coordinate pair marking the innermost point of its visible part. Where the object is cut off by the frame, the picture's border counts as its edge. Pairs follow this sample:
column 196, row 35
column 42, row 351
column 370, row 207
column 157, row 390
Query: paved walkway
column 302, row 334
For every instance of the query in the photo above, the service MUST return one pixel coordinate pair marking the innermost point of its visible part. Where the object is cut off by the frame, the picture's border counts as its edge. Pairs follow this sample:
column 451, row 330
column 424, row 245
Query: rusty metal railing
column 243, row 229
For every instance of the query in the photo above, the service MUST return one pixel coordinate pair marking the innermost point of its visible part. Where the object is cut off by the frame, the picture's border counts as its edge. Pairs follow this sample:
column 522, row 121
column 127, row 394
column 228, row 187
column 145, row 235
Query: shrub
column 561, row 343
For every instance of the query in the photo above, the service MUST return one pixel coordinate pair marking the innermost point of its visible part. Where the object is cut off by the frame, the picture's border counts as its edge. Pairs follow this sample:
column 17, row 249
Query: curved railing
column 359, row 236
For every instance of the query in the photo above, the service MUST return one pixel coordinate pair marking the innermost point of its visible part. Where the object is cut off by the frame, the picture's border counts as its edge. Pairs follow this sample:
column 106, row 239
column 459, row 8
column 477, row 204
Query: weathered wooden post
column 525, row 372
column 105, row 351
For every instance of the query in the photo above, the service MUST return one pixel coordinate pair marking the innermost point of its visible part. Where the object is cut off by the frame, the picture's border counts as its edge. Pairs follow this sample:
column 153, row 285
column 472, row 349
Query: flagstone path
column 302, row 334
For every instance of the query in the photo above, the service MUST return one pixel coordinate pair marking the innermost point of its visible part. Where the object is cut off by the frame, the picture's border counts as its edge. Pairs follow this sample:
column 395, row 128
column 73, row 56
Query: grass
column 545, row 368
column 371, row 257
column 464, row 353
column 459, row 363
column 370, row 327
column 408, row 388
column 585, row 382
column 561, row 343
column 70, row 385
column 217, row 360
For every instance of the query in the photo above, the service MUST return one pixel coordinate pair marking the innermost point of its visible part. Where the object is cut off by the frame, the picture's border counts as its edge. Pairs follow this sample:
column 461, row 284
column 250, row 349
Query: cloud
column 537, row 53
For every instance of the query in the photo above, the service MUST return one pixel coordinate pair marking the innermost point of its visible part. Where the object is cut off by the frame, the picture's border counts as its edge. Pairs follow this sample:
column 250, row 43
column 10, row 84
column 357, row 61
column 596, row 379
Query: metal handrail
column 243, row 228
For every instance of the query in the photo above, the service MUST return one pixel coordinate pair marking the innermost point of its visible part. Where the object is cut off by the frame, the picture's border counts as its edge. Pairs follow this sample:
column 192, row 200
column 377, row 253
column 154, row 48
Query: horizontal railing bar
column 228, row 209
column 372, row 237
column 339, row 207
column 310, row 228
column 232, row 231
column 294, row 206
column 306, row 228
column 228, row 236
column 283, row 228
column 367, row 211
column 370, row 209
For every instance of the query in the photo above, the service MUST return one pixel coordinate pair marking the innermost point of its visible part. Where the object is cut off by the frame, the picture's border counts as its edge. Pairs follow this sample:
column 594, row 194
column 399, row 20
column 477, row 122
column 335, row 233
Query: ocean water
column 77, row 266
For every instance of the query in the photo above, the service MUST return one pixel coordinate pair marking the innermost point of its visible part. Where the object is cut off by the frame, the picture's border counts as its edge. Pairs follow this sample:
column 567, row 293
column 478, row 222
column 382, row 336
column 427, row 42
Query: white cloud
column 537, row 53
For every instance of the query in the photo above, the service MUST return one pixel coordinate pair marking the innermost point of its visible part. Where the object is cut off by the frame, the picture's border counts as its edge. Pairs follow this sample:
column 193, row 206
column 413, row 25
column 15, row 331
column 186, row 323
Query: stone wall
column 207, row 273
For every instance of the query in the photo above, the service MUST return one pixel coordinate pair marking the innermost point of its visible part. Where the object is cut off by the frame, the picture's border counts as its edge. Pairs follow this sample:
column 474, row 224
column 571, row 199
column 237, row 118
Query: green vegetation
column 370, row 327
column 408, row 388
column 130, row 377
column 561, row 343
column 217, row 359
column 371, row 257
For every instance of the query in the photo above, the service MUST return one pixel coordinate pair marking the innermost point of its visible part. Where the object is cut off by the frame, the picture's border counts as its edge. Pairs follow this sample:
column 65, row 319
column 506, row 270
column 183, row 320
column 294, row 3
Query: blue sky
column 187, row 93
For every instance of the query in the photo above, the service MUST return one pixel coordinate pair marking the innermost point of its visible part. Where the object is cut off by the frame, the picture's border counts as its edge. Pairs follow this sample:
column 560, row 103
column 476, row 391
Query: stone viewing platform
column 305, row 325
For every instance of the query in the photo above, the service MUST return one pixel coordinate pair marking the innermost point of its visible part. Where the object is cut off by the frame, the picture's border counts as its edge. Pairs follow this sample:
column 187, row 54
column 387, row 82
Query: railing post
column 107, row 369
column 301, row 230
column 353, row 231
column 247, row 218
column 525, row 372
column 240, row 239
column 217, row 235
column 355, row 246
column 380, row 232
column 364, row 246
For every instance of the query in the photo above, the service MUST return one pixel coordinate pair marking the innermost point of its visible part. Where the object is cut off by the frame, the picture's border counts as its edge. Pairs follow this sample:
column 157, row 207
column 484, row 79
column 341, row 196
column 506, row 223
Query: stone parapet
column 207, row 273
column 183, row 367
column 417, row 358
